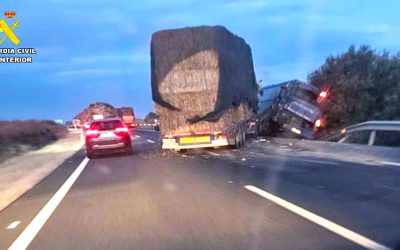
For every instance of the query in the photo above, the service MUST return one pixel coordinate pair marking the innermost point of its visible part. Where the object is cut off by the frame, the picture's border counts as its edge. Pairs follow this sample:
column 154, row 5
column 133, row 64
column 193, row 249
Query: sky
column 98, row 50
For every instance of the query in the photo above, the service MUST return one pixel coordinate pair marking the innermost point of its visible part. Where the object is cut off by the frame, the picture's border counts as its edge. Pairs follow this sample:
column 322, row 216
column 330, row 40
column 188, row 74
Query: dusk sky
column 97, row 50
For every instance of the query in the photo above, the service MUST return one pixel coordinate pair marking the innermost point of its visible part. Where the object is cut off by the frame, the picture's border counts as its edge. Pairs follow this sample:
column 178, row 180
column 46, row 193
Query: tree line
column 363, row 85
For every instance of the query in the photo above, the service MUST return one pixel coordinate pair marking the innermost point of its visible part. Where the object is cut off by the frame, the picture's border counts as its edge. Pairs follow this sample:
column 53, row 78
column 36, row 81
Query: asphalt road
column 198, row 200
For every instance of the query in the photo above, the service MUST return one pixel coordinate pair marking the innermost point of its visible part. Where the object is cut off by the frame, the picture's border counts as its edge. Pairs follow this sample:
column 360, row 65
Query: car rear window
column 106, row 125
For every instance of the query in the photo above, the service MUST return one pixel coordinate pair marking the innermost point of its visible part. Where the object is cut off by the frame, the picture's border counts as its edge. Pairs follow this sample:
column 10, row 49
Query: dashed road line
column 13, row 224
column 329, row 225
column 29, row 233
column 137, row 136
column 151, row 141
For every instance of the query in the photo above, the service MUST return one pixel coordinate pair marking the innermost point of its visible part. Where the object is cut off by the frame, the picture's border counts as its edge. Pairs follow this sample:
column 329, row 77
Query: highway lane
column 196, row 200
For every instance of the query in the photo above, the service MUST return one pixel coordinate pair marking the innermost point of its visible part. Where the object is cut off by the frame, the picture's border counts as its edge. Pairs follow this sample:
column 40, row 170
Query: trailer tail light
column 319, row 123
column 221, row 137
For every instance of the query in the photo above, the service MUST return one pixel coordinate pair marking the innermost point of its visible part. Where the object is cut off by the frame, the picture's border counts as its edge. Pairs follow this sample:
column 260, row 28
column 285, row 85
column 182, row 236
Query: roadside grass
column 17, row 137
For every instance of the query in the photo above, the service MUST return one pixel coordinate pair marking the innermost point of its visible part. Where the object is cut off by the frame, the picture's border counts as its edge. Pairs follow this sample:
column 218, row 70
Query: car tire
column 89, row 153
column 129, row 150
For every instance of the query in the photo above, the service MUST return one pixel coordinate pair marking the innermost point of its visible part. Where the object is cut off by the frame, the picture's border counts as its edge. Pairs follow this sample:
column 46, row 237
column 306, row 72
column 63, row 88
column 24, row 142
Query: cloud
column 277, row 19
column 276, row 73
column 247, row 4
column 379, row 28
column 89, row 72
column 141, row 56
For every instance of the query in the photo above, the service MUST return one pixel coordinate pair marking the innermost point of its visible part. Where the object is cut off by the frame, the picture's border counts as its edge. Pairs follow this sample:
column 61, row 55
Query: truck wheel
column 243, row 137
column 238, row 140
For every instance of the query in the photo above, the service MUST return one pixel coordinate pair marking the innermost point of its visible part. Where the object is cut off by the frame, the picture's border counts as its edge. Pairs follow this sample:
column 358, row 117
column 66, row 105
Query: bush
column 18, row 135
column 364, row 85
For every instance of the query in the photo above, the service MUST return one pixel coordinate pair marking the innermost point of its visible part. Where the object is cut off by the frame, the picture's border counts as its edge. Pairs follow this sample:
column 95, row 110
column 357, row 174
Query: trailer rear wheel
column 243, row 137
column 236, row 140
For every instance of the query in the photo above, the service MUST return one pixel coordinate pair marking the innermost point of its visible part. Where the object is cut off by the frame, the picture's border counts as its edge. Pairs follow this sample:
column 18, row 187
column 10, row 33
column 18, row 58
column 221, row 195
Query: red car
column 107, row 135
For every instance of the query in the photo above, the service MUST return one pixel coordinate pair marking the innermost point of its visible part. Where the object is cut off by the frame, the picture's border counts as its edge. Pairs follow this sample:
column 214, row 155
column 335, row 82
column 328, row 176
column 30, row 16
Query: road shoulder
column 19, row 174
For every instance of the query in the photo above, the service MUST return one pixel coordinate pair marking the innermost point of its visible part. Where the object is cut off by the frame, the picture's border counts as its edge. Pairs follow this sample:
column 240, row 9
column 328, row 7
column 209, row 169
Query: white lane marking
column 137, row 136
column 319, row 161
column 151, row 141
column 397, row 164
column 390, row 188
column 13, row 224
column 329, row 225
column 29, row 233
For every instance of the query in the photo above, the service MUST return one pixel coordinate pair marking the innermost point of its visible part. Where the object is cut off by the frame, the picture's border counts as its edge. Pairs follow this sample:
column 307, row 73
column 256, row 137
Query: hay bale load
column 203, row 82
column 98, row 108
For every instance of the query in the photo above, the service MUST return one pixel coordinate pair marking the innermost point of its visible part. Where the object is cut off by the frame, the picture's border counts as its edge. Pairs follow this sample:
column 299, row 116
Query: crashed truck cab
column 297, row 109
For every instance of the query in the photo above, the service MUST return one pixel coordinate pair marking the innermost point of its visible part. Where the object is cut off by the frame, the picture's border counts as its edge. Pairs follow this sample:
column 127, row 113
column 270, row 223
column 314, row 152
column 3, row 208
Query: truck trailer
column 127, row 115
column 203, row 87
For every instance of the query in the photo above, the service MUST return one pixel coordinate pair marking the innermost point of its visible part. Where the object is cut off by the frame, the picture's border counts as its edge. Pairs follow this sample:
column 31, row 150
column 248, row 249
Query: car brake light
column 124, row 129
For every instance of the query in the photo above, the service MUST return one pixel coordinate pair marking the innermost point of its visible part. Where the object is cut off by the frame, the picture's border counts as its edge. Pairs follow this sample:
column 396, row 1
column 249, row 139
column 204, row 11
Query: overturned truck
column 203, row 87
column 292, row 107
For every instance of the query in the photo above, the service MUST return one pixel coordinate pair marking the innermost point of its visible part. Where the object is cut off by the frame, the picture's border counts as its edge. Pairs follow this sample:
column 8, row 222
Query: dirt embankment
column 18, row 137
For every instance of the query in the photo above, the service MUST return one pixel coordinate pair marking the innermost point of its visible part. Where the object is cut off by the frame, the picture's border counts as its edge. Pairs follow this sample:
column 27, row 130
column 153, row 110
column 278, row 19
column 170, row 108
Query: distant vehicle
column 85, row 127
column 290, row 106
column 107, row 135
column 127, row 115
column 98, row 117
column 76, row 123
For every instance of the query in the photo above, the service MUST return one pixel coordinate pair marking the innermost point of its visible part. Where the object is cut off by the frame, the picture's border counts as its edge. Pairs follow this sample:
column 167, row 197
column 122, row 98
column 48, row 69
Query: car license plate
column 107, row 135
column 195, row 139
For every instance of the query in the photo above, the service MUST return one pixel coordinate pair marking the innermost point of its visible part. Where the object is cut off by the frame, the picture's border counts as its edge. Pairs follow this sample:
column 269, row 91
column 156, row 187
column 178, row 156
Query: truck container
column 127, row 115
column 203, row 87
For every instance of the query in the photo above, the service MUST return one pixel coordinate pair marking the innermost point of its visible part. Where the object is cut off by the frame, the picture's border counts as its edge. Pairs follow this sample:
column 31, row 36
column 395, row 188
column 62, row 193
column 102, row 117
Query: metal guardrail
column 372, row 126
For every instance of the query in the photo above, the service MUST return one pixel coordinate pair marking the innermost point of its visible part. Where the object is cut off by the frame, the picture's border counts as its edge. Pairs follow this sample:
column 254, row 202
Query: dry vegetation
column 17, row 137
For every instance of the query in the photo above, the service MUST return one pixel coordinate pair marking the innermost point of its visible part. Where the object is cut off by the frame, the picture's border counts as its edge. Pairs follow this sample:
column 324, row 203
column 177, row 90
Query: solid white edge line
column 29, row 233
column 391, row 163
column 329, row 225
column 151, row 141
